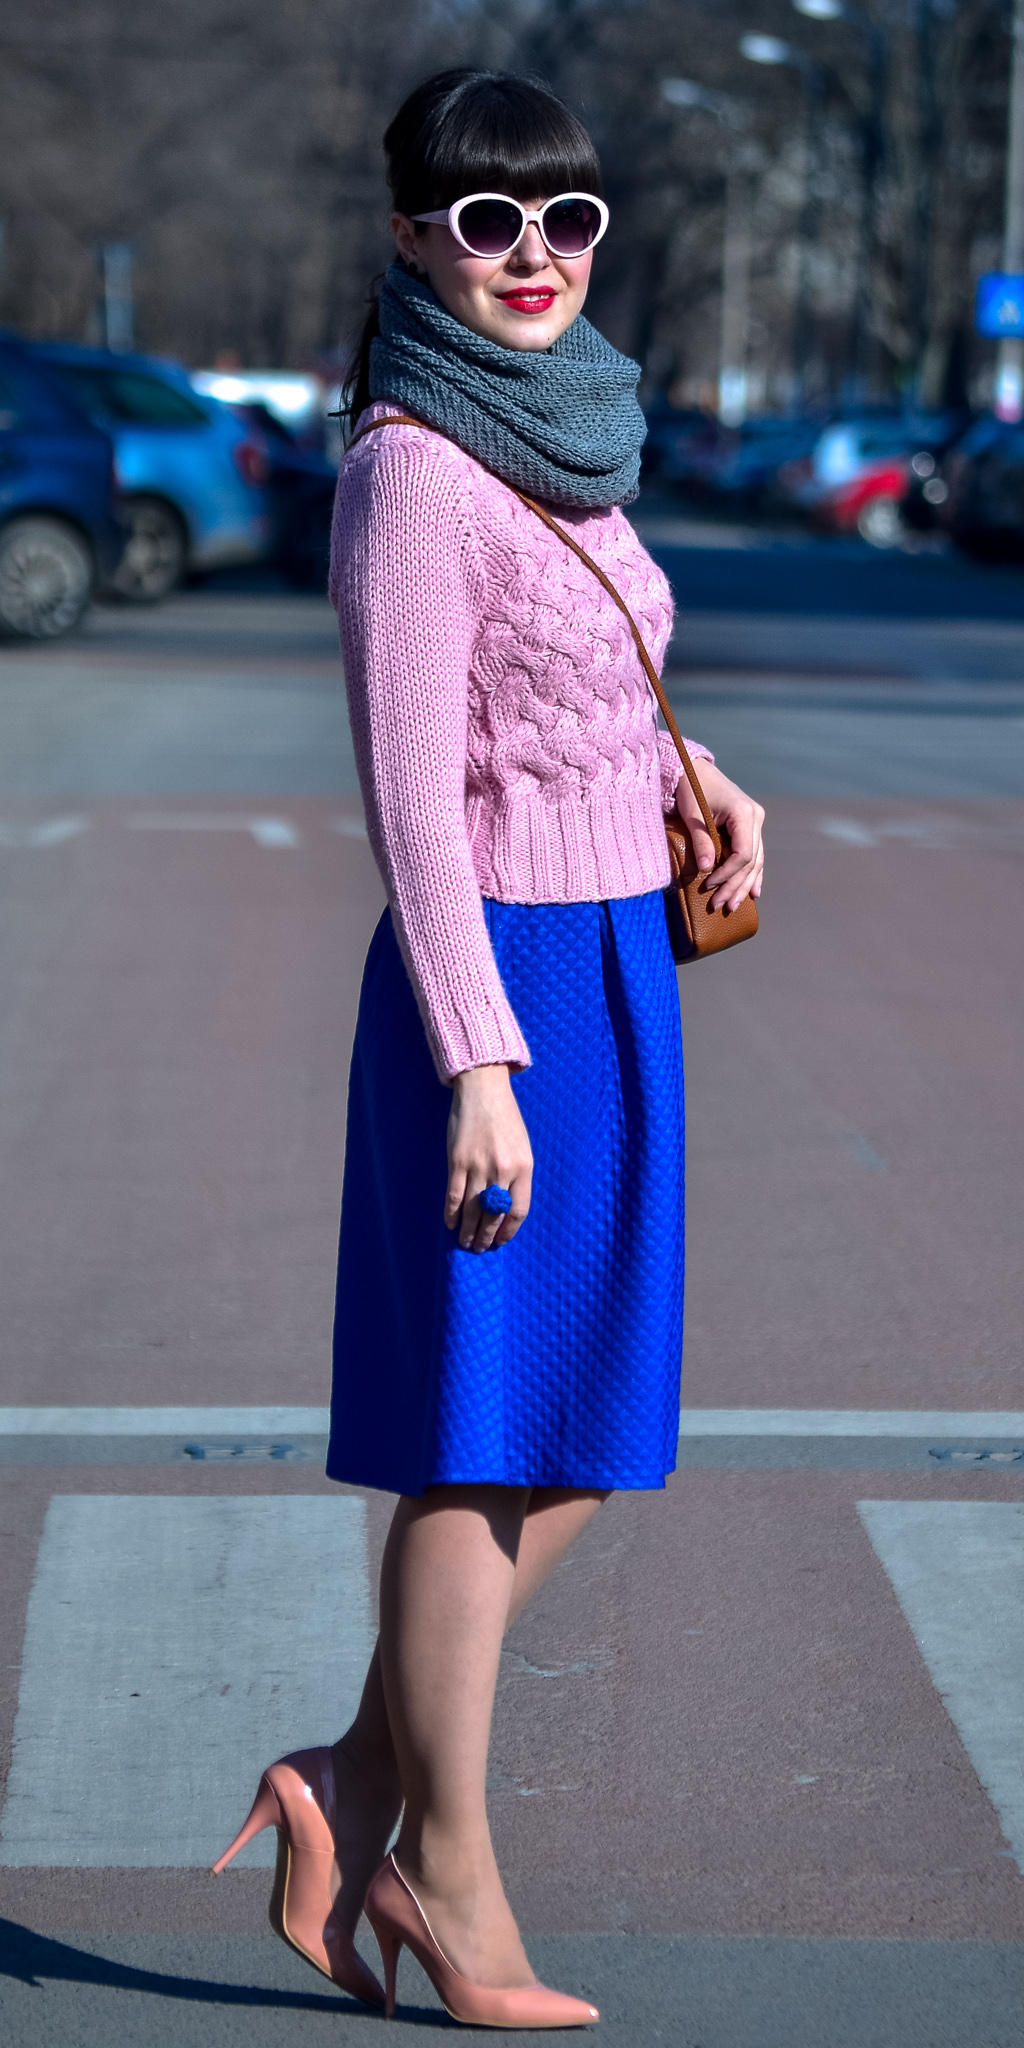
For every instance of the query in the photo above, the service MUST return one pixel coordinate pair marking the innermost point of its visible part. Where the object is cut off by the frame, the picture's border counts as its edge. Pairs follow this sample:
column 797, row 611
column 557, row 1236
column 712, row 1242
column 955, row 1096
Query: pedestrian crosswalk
column 693, row 1422
column 957, row 1568
column 173, row 1647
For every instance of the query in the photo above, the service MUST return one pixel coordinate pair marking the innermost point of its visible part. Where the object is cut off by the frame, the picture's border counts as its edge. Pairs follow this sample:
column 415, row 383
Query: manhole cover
column 244, row 1454
column 950, row 1455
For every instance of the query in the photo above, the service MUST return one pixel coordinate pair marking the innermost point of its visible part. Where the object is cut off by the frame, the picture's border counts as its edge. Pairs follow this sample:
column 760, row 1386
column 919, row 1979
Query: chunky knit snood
column 561, row 423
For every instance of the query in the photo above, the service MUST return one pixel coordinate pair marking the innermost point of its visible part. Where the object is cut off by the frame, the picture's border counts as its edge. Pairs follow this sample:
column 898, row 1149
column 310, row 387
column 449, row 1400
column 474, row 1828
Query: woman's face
column 525, row 300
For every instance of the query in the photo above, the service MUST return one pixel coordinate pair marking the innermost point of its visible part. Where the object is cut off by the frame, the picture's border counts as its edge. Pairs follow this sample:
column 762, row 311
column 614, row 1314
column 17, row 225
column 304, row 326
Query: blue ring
column 496, row 1201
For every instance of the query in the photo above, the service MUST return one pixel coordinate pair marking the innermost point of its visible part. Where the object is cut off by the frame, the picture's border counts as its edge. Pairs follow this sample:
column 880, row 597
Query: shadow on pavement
column 30, row 1957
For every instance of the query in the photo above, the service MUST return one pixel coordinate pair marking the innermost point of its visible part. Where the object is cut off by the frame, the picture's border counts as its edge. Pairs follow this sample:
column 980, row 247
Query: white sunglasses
column 491, row 224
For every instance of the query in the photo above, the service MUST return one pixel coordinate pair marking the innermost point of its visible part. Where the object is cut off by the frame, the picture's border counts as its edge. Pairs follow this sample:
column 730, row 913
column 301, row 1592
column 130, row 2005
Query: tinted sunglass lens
column 572, row 226
column 490, row 226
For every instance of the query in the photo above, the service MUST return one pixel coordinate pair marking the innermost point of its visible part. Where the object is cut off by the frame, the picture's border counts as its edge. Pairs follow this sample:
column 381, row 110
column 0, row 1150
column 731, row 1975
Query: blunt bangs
column 489, row 132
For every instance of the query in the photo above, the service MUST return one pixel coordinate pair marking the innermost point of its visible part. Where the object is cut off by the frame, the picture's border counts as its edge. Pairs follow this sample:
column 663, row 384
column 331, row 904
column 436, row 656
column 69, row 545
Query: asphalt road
column 757, row 1761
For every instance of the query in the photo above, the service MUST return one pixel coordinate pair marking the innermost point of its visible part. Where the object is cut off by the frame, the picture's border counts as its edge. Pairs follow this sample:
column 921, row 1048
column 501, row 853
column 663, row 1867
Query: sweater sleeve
column 407, row 584
column 672, row 767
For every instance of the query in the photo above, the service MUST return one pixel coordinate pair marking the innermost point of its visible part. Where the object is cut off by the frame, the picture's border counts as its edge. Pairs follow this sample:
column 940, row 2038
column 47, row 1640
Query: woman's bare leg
column 368, row 1797
column 554, row 1518
column 446, row 1582
column 366, row 1772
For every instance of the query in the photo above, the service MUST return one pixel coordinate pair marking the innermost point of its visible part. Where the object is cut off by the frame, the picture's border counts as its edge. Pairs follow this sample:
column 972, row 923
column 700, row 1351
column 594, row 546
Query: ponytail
column 355, row 391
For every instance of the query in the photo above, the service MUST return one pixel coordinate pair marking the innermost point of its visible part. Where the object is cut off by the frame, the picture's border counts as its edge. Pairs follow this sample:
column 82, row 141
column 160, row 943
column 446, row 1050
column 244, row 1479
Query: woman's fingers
column 488, row 1146
column 480, row 1230
column 520, row 1190
column 699, row 836
column 455, row 1194
column 739, row 874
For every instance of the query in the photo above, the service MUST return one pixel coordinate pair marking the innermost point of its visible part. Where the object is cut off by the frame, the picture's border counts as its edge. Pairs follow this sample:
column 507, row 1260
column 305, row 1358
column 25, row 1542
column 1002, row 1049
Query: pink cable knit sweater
column 505, row 734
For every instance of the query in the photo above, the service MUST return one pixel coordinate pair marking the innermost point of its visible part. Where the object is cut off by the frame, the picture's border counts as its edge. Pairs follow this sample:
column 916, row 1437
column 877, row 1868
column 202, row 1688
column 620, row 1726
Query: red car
column 856, row 478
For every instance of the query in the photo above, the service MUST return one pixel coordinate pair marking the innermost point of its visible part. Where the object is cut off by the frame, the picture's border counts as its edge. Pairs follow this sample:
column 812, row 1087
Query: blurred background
column 816, row 248
column 222, row 165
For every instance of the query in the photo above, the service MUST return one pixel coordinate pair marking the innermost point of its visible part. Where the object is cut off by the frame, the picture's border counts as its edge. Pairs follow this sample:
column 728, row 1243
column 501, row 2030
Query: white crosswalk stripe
column 174, row 1647
column 957, row 1567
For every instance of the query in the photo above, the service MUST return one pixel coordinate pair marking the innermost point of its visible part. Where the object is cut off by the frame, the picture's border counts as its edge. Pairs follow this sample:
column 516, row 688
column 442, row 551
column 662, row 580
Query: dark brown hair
column 474, row 131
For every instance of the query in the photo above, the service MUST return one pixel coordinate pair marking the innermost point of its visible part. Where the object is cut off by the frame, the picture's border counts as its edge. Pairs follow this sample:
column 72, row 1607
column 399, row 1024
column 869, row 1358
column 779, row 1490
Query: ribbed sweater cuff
column 672, row 767
column 485, row 1040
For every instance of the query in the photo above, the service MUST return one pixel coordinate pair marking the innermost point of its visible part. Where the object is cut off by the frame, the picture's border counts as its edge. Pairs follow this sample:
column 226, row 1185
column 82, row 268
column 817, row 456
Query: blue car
column 60, row 536
column 191, row 474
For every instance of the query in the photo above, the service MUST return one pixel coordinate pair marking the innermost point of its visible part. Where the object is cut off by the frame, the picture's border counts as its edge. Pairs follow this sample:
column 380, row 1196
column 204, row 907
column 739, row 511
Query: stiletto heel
column 296, row 1795
column 396, row 1916
column 265, row 1813
column 390, row 1946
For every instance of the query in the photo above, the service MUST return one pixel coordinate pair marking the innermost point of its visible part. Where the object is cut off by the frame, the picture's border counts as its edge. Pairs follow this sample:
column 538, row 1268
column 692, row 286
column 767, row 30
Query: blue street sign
column 999, row 305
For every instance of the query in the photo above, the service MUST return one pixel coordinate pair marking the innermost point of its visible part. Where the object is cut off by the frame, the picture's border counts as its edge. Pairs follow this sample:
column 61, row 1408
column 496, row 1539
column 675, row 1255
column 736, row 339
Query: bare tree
column 236, row 147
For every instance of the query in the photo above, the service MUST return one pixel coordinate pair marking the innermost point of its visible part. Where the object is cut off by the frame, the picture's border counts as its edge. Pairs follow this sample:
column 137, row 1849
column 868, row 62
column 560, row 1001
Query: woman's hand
column 740, row 874
column 487, row 1141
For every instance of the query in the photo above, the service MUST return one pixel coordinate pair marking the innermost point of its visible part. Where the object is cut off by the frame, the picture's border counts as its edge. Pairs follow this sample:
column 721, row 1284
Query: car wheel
column 153, row 562
column 46, row 573
column 880, row 521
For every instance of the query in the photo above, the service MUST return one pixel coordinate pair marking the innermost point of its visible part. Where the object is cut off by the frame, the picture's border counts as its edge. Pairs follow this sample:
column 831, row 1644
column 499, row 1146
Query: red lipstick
column 527, row 299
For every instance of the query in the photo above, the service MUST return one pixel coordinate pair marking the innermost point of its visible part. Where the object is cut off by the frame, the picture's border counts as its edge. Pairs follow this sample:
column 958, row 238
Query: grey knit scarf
column 561, row 423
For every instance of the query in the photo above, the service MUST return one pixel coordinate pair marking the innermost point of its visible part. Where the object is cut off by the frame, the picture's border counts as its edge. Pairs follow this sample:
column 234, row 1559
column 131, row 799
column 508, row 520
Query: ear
column 407, row 241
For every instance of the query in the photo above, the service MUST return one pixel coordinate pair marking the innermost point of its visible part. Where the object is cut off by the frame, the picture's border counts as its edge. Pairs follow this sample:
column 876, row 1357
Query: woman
column 509, row 1315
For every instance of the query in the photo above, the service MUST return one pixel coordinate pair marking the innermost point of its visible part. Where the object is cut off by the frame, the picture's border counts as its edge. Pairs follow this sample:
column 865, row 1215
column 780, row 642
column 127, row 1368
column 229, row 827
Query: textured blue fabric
column 554, row 1361
column 562, row 423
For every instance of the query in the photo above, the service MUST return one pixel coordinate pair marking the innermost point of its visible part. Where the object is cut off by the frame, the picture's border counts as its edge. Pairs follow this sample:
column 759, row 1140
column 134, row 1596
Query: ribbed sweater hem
column 572, row 850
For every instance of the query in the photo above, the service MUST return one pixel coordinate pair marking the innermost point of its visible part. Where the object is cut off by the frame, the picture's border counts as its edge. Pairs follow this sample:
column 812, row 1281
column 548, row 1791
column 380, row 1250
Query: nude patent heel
column 296, row 1796
column 265, row 1813
column 397, row 1918
column 390, row 1947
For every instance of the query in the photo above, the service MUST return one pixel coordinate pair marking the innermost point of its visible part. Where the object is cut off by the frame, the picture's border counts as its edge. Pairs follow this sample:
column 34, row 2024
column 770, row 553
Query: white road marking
column 884, row 1422
column 936, row 835
column 957, row 1568
column 865, row 1154
column 848, row 832
column 173, row 1648
column 46, row 832
column 350, row 828
column 988, row 1423
column 164, row 1421
column 265, row 831
column 273, row 832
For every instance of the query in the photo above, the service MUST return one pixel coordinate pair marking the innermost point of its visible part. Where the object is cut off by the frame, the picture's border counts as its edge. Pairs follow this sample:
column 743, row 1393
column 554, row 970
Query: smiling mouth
column 526, row 300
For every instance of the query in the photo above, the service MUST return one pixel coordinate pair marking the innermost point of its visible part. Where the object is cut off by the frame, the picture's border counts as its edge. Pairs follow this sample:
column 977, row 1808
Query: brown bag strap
column 408, row 419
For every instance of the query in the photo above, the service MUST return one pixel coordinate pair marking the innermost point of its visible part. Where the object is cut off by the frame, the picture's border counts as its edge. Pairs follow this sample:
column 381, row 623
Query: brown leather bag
column 695, row 927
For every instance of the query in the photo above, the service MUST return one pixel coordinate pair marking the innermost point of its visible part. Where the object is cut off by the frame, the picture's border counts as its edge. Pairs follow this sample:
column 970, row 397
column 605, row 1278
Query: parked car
column 695, row 452
column 192, row 476
column 60, row 536
column 862, row 470
column 748, row 458
column 983, row 478
column 677, row 437
column 294, row 398
column 301, row 485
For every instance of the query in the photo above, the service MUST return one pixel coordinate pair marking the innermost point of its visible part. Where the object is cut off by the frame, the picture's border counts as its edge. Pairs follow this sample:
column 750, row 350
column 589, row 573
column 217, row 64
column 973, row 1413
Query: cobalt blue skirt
column 554, row 1361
